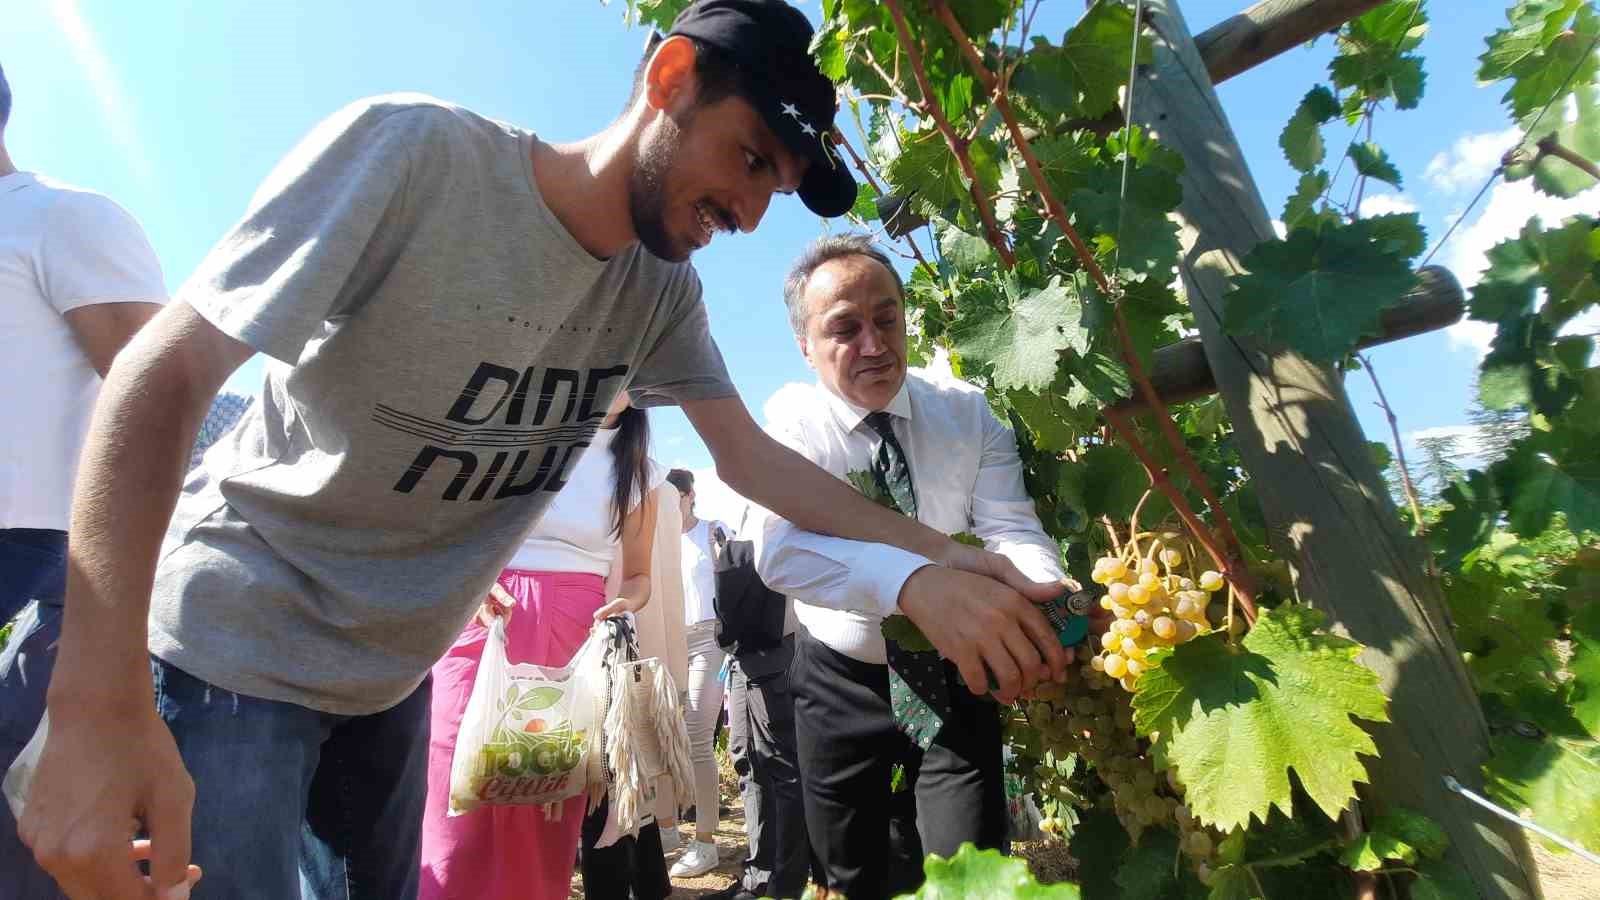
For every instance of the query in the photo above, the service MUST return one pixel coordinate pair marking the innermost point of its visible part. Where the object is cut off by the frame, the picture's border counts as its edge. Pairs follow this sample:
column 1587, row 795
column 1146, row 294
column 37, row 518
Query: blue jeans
column 33, row 580
column 289, row 802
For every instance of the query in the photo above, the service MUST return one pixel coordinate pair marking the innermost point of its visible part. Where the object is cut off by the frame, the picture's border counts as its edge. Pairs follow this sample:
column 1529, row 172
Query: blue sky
column 178, row 109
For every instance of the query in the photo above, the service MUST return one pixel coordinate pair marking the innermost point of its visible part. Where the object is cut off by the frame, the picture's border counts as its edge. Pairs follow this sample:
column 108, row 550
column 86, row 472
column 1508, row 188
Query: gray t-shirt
column 441, row 351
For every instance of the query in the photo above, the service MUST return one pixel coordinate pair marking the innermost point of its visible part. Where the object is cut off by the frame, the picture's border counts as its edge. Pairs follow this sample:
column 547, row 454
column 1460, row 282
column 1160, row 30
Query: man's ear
column 804, row 344
column 670, row 80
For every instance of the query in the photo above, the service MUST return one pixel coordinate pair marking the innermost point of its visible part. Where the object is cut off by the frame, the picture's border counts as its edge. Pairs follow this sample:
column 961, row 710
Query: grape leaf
column 1301, row 139
column 984, row 873
column 928, row 173
column 1373, row 162
column 1022, row 344
column 1474, row 507
column 869, row 488
column 1236, row 721
column 1083, row 77
column 1319, row 292
column 905, row 632
column 1375, row 59
column 1541, row 51
column 979, row 17
column 1054, row 423
column 1301, row 206
column 1097, row 379
column 657, row 14
column 1543, row 477
column 1555, row 778
column 866, row 205
column 1438, row 880
column 966, row 253
column 1398, row 834
column 1507, row 288
column 831, row 49
column 1584, row 689
column 1148, row 238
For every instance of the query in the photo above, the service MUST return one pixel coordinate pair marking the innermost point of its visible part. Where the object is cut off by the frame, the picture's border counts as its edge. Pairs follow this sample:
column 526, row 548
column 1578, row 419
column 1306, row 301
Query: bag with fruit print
column 525, row 737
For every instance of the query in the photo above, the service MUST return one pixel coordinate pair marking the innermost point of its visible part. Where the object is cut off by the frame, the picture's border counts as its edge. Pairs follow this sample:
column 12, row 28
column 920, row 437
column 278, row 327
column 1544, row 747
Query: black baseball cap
column 770, row 41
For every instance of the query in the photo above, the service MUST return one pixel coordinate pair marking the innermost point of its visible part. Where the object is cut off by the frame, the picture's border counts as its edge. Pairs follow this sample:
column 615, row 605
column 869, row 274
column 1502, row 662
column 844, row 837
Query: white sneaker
column 700, row 858
column 670, row 839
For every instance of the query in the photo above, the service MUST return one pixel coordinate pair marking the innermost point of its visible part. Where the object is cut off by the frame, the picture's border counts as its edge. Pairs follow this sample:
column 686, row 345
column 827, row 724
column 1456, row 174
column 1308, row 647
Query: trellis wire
column 1509, row 816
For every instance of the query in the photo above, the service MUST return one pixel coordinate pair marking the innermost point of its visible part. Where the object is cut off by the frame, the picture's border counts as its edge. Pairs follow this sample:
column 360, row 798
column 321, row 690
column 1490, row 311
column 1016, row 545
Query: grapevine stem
column 1116, row 544
column 1180, row 505
column 861, row 166
column 1399, row 446
column 1133, row 521
column 1233, row 570
column 957, row 145
column 1549, row 145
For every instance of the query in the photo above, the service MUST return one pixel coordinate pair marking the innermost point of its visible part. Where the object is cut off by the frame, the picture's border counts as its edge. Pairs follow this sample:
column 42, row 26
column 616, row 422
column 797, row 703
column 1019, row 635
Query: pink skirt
column 504, row 852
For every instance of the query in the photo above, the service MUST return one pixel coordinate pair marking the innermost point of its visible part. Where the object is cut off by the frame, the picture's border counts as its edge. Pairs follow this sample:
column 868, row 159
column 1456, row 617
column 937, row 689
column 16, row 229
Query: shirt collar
column 849, row 416
column 16, row 181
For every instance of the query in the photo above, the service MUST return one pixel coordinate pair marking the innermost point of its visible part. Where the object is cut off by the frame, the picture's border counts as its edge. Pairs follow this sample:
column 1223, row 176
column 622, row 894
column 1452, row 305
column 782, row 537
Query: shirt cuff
column 882, row 571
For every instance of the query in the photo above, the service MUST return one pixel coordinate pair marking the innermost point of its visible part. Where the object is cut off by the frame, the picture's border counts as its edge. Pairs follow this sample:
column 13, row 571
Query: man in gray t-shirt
column 449, row 305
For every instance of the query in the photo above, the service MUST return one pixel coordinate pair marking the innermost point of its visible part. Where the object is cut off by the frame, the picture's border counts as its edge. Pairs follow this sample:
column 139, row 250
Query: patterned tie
column 918, row 693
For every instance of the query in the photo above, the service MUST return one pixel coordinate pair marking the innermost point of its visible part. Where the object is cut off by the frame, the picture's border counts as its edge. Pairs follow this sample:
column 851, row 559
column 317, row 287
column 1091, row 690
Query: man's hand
column 983, row 562
column 106, row 768
column 985, row 628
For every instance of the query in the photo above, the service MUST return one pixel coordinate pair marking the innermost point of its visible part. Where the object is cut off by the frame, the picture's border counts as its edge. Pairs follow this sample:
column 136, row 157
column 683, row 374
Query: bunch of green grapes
column 1091, row 716
column 1155, row 605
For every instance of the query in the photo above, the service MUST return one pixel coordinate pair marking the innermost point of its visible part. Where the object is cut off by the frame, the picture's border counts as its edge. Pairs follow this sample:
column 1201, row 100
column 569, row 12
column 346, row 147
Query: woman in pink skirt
column 603, row 515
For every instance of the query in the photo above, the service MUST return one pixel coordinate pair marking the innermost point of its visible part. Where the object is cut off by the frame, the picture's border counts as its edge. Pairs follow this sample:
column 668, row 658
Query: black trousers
column 762, row 743
column 848, row 745
column 633, row 867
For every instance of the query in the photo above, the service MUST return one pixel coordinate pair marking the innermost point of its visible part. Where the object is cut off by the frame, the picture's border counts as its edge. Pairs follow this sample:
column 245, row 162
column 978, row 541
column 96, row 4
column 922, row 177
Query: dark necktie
column 918, row 692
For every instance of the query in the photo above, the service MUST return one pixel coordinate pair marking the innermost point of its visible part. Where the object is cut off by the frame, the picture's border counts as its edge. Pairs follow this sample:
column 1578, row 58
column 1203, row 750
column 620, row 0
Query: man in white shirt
column 77, row 280
column 863, row 705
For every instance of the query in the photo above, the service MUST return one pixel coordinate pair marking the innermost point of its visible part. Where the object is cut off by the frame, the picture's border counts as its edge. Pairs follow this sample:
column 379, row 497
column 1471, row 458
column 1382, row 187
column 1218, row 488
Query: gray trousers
column 761, row 742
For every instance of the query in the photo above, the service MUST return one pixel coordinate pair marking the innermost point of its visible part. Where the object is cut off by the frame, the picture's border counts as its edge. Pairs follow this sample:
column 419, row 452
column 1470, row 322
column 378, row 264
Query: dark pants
column 33, row 581
column 633, row 867
column 761, row 741
column 848, row 744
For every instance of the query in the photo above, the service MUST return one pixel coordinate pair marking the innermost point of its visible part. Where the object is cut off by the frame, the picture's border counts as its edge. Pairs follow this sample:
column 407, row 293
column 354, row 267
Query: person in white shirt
column 705, row 688
column 77, row 279
column 933, row 446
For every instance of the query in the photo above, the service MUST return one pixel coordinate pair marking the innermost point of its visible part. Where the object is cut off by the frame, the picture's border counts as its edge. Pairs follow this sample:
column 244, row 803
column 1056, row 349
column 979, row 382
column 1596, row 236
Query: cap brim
column 827, row 188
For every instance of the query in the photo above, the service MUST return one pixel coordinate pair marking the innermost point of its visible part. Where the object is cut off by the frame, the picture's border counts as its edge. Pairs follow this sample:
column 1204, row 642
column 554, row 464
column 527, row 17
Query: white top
column 575, row 534
column 967, row 477
column 61, row 248
column 699, row 572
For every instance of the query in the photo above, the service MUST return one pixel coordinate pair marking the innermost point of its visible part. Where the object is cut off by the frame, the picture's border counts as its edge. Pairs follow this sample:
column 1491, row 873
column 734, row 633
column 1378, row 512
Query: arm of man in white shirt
column 972, row 620
column 99, row 270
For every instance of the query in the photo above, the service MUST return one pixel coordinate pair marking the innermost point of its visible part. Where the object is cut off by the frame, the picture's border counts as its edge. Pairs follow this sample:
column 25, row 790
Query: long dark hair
column 630, row 461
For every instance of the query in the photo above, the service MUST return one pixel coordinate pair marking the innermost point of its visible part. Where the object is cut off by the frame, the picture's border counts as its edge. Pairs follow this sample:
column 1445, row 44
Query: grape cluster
column 1154, row 605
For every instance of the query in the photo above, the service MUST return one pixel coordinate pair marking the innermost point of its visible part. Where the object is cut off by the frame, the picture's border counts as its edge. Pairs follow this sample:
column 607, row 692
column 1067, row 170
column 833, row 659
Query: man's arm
column 975, row 622
column 100, row 700
column 103, row 329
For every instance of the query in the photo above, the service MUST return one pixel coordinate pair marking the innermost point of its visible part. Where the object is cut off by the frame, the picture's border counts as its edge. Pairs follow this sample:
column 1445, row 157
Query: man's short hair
column 682, row 479
column 5, row 99
column 822, row 250
column 718, row 76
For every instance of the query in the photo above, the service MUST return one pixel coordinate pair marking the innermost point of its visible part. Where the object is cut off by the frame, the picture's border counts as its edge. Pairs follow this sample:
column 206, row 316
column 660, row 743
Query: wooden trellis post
column 1325, row 503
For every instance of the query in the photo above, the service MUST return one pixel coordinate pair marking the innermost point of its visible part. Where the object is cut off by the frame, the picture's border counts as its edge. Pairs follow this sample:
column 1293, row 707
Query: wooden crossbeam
column 1270, row 27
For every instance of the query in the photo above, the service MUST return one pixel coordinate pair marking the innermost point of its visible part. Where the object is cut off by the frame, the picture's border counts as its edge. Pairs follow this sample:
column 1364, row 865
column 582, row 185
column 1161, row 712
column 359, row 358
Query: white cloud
column 1280, row 229
column 96, row 66
column 1469, row 444
column 1470, row 160
column 789, row 393
column 1384, row 204
column 1507, row 208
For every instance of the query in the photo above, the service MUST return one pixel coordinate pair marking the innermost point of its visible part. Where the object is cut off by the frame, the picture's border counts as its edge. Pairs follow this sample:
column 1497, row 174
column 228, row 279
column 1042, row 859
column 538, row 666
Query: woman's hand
column 618, row 607
column 497, row 605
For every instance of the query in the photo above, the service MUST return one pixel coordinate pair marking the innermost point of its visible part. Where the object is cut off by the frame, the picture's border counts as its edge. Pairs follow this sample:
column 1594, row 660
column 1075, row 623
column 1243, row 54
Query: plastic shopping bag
column 525, row 734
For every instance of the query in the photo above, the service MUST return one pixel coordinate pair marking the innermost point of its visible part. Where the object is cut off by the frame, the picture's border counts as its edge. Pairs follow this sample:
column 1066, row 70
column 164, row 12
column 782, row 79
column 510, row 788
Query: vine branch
column 1399, row 446
column 958, row 146
column 861, row 166
column 1231, row 562
column 1550, row 145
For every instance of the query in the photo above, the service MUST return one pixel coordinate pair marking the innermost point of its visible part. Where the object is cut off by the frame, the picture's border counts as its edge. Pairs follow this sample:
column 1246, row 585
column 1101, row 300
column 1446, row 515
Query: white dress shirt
column 967, row 477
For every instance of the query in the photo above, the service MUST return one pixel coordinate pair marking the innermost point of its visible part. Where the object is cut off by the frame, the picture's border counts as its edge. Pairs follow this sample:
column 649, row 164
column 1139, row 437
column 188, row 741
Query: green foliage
column 1399, row 834
column 1372, row 162
column 1320, row 290
column 1546, row 44
column 1080, row 78
column 1235, row 720
column 974, row 874
column 657, row 14
column 1302, row 137
column 1019, row 334
column 1376, row 59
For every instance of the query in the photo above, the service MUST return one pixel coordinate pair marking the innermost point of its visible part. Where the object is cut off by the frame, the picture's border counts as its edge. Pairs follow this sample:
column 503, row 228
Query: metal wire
column 1509, row 816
